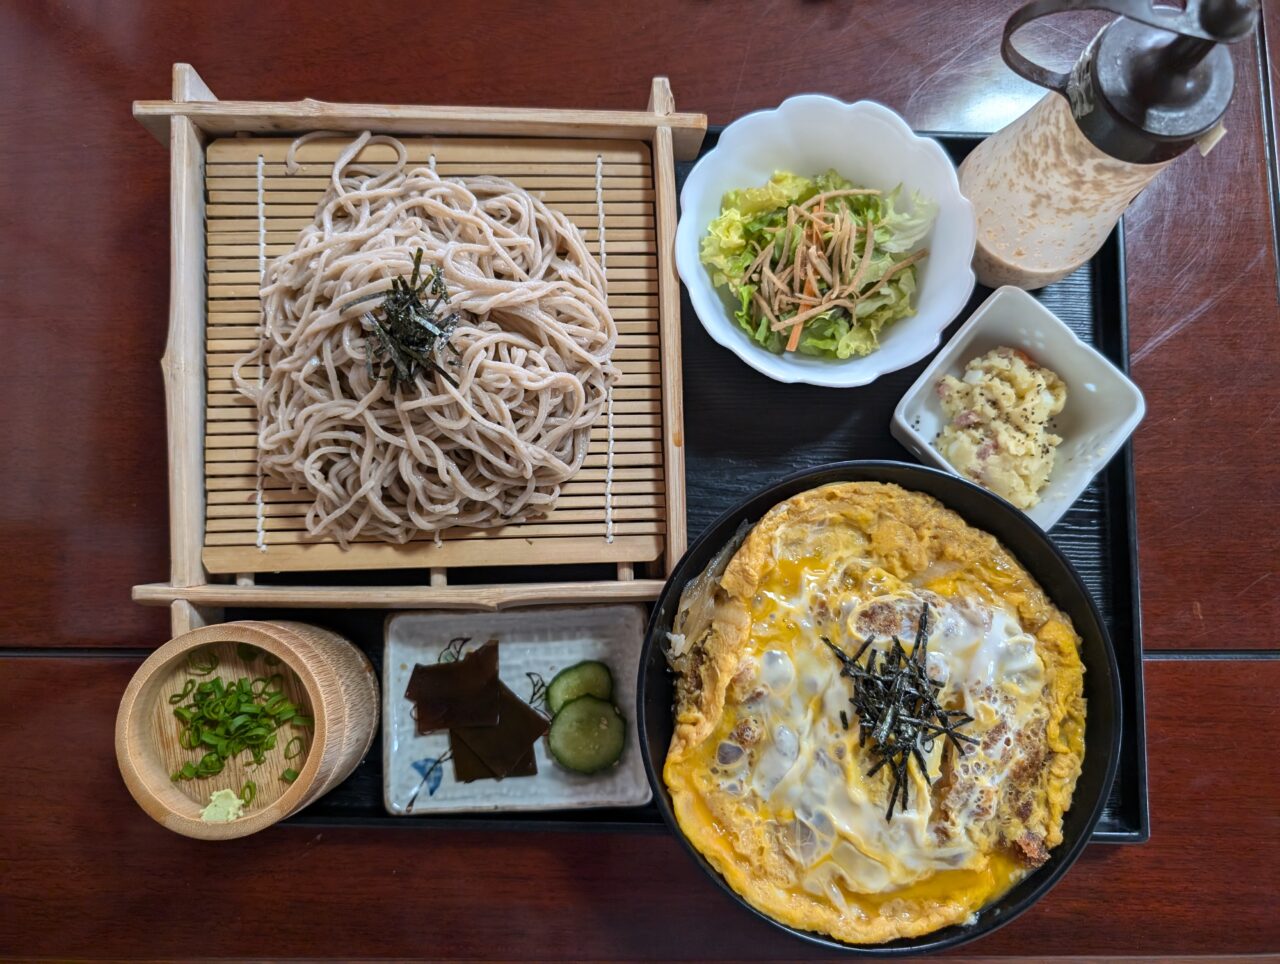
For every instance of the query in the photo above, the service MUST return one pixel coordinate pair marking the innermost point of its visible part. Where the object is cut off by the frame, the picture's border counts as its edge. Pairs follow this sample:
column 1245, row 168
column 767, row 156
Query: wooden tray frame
column 185, row 124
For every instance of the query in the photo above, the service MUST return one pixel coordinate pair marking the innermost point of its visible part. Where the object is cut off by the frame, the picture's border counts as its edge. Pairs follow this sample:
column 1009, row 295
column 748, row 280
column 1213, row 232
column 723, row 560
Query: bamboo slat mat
column 563, row 173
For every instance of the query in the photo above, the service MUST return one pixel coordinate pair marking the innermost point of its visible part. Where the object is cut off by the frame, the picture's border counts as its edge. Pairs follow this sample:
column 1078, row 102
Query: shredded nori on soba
column 406, row 341
column 898, row 710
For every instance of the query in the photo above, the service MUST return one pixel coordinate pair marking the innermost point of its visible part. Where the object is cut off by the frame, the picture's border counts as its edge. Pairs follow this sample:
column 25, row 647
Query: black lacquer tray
column 741, row 434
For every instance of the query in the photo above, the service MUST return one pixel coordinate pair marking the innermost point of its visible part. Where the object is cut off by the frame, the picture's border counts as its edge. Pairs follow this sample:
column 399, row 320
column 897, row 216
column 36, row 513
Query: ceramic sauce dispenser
column 1048, row 188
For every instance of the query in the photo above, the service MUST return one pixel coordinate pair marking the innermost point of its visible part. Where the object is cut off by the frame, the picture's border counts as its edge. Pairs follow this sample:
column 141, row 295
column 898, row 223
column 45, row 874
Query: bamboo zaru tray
column 232, row 207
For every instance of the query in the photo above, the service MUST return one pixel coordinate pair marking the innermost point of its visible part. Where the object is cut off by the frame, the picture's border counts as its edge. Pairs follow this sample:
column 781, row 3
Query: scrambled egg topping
column 770, row 784
column 998, row 416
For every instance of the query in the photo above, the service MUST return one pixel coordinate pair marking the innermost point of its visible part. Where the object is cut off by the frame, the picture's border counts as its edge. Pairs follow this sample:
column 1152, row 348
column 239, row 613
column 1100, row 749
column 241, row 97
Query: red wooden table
column 84, row 288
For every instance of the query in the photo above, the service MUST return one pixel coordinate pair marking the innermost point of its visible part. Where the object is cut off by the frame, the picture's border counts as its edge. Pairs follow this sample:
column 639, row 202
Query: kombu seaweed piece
column 465, row 692
column 468, row 767
column 506, row 750
column 526, row 766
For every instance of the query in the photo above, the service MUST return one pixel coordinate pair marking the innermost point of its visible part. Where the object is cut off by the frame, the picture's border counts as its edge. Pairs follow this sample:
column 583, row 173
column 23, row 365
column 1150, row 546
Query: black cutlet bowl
column 1038, row 555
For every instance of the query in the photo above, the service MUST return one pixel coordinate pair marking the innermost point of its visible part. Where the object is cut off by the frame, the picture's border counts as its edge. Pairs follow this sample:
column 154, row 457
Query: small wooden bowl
column 325, row 676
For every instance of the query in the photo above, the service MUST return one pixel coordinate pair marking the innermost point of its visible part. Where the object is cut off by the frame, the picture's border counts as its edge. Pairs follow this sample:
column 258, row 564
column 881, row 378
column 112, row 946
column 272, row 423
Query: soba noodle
column 532, row 366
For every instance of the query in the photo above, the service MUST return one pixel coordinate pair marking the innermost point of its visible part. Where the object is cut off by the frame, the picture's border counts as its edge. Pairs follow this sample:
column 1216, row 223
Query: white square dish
column 1102, row 410
column 542, row 641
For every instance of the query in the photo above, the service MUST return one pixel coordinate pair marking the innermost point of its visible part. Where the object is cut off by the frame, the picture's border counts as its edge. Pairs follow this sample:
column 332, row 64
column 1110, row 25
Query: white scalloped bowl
column 871, row 146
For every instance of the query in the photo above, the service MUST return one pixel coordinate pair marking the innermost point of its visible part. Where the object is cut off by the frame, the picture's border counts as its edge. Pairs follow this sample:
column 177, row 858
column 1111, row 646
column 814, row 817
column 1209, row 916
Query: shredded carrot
column 811, row 291
column 794, row 341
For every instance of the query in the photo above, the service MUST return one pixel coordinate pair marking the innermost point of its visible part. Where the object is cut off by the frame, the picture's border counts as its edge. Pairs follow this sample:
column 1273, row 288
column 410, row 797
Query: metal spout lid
column 1153, row 81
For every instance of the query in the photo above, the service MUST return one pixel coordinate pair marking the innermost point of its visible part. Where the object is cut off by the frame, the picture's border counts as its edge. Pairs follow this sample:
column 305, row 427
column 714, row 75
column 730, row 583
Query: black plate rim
column 954, row 935
column 1138, row 725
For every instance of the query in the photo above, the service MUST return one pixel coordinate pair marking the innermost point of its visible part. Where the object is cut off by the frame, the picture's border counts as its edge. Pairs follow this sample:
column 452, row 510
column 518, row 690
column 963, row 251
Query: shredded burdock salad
column 817, row 265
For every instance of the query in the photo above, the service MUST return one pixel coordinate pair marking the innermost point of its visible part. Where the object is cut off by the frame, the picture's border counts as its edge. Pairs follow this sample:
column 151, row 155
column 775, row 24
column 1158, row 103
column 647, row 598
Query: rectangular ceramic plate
column 539, row 641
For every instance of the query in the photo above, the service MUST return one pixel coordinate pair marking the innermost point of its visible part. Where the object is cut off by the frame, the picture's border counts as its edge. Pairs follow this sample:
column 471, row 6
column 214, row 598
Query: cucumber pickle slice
column 588, row 678
column 587, row 735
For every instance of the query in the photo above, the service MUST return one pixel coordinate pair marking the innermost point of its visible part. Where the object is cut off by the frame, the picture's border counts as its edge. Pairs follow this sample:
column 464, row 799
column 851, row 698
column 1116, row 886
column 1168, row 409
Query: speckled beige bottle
column 1045, row 198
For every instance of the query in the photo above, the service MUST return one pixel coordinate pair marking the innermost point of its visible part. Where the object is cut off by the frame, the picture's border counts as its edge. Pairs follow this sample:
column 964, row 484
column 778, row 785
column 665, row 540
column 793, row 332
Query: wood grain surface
column 93, row 875
column 84, row 254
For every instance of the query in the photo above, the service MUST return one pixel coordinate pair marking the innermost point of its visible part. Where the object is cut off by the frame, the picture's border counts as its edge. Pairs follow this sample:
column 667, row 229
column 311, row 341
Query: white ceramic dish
column 1102, row 410
column 871, row 146
column 542, row 641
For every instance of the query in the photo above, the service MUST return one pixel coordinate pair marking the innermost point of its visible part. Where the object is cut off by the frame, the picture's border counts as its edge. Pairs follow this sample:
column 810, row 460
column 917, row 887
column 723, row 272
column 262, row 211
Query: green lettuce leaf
column 780, row 191
column 889, row 304
column 756, row 326
column 900, row 231
column 724, row 249
column 822, row 335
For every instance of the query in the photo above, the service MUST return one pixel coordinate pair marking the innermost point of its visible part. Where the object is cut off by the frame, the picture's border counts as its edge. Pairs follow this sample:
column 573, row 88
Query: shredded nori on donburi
column 898, row 710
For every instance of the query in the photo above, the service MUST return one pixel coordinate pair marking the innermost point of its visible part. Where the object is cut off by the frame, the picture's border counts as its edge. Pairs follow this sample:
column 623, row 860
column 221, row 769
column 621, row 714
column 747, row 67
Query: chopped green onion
column 289, row 775
column 293, row 748
column 209, row 764
column 224, row 718
column 177, row 698
column 248, row 792
column 202, row 664
column 187, row 772
column 275, row 704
